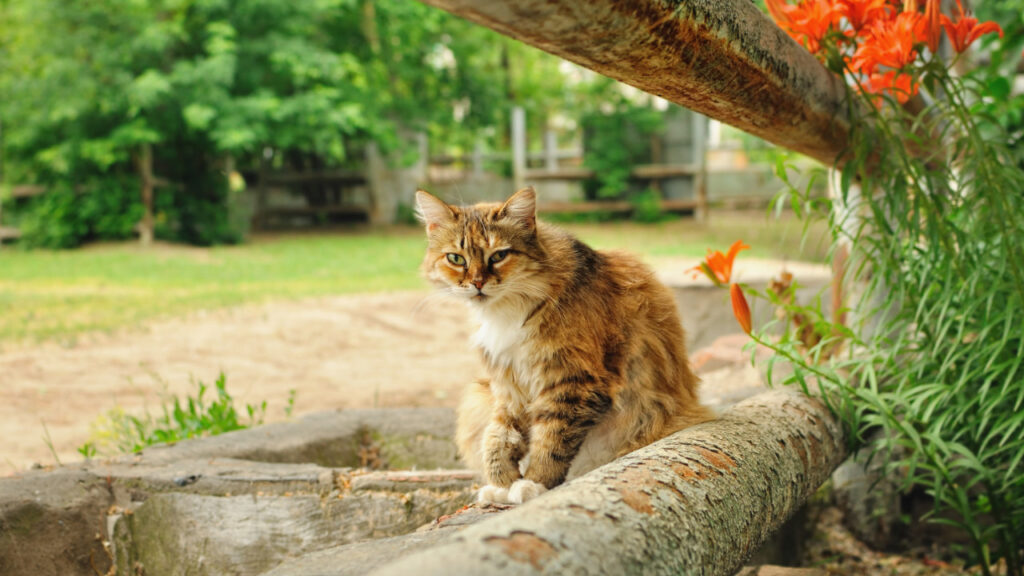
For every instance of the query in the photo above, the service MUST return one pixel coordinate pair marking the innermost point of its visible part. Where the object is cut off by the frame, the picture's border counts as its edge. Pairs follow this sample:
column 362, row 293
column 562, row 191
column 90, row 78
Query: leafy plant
column 927, row 367
column 204, row 85
column 180, row 419
column 647, row 206
column 105, row 209
column 87, row 450
column 617, row 140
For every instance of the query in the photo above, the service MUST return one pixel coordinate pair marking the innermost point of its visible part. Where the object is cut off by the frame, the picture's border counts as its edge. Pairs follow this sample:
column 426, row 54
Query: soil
column 398, row 349
column 355, row 351
column 360, row 351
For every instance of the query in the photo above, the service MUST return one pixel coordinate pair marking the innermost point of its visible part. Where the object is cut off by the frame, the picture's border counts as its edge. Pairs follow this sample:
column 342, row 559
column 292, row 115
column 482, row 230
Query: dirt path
column 345, row 352
column 397, row 349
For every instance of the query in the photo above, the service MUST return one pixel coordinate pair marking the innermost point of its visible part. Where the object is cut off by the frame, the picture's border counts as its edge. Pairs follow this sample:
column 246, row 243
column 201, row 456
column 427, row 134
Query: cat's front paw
column 523, row 490
column 491, row 494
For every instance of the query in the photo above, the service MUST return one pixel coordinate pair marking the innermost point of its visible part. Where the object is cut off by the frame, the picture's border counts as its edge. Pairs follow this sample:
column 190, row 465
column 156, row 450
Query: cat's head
column 485, row 253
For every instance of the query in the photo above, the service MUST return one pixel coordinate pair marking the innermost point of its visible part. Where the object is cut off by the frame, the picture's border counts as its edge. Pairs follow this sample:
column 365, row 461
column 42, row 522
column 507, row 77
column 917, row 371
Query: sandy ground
column 400, row 349
column 361, row 351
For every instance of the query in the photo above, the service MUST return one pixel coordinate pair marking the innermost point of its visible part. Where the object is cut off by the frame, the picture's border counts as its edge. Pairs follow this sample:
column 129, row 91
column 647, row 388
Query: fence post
column 262, row 190
column 550, row 151
column 382, row 201
column 144, row 163
column 519, row 147
column 478, row 160
column 700, row 161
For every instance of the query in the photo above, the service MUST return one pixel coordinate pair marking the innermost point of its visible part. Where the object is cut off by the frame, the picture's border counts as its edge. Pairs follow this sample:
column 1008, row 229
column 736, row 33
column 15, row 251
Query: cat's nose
column 479, row 283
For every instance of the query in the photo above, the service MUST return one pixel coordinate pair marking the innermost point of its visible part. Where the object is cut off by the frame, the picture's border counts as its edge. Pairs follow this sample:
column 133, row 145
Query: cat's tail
column 474, row 414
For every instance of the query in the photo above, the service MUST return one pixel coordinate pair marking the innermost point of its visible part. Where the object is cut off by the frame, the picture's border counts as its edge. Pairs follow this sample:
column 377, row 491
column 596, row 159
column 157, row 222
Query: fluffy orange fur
column 585, row 349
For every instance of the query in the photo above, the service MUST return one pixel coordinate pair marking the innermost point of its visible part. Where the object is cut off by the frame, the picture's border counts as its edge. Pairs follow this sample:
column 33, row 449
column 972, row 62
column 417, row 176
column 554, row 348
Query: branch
column 698, row 502
column 722, row 58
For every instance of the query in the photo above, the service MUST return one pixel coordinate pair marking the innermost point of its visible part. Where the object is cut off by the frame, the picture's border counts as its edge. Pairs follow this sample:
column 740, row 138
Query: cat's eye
column 456, row 259
column 498, row 256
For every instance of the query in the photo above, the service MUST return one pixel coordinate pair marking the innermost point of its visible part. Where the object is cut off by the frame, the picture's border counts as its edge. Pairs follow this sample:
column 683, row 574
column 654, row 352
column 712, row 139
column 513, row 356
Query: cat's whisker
column 442, row 294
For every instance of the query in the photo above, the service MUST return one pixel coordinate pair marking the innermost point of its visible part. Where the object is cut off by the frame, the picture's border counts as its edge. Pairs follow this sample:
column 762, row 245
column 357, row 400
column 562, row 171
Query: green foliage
column 200, row 217
column 106, row 209
column 615, row 141
column 1000, row 103
column 87, row 85
column 180, row 419
column 647, row 206
column 930, row 373
column 87, row 450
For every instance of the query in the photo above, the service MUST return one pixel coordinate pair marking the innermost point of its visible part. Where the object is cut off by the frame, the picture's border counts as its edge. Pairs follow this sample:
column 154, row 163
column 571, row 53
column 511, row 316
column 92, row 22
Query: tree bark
column 698, row 502
column 722, row 58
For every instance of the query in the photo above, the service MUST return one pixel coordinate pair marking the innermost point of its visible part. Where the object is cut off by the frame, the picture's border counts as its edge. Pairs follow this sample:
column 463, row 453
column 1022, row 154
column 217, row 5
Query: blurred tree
column 89, row 87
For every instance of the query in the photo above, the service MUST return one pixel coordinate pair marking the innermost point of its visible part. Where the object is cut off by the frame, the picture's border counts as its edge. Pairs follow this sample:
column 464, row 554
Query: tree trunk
column 698, row 502
column 722, row 58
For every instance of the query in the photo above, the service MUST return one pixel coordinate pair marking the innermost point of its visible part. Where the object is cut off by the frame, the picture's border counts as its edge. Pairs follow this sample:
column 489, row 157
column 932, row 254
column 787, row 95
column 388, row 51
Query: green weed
column 180, row 419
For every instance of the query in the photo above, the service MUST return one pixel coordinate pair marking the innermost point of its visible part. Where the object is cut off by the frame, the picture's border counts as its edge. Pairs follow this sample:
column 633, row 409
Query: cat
column 585, row 349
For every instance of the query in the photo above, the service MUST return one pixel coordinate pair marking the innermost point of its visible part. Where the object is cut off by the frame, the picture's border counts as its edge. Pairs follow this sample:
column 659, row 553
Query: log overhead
column 698, row 502
column 722, row 58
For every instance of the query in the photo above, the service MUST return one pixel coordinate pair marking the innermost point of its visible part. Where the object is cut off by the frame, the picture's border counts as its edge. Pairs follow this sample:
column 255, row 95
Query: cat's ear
column 521, row 207
column 432, row 211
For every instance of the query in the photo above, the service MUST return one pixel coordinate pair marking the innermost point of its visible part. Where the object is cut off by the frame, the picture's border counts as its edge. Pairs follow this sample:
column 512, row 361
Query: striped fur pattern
column 585, row 349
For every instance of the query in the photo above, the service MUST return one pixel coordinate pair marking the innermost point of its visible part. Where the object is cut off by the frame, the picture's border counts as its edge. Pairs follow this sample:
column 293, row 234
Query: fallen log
column 698, row 502
column 722, row 58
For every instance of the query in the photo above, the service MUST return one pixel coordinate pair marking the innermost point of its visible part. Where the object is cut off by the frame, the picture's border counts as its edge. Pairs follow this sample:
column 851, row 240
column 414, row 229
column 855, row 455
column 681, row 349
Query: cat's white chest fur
column 507, row 343
column 501, row 336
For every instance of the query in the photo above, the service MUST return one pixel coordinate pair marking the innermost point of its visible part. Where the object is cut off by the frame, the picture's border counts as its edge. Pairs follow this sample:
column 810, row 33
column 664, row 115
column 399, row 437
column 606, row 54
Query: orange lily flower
column 933, row 27
column 718, row 266
column 807, row 22
column 900, row 85
column 965, row 30
column 890, row 43
column 860, row 13
column 739, row 307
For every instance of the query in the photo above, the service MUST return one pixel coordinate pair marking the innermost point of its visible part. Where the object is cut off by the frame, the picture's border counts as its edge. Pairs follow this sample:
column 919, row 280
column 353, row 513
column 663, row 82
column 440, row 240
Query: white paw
column 493, row 494
column 523, row 490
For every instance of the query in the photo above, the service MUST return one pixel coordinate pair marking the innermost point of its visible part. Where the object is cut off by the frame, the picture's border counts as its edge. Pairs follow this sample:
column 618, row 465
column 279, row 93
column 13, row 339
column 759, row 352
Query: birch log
column 722, row 58
column 698, row 502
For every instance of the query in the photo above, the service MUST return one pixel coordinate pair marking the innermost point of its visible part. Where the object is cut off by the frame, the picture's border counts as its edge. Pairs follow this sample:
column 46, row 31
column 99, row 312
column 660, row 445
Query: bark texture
column 698, row 502
column 722, row 58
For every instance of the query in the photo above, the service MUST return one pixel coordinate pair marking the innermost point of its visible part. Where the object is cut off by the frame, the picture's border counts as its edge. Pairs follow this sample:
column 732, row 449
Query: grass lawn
column 53, row 296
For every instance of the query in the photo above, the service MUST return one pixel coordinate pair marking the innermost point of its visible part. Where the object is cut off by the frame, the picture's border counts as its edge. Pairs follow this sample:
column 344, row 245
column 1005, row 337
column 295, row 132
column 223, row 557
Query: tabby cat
column 585, row 349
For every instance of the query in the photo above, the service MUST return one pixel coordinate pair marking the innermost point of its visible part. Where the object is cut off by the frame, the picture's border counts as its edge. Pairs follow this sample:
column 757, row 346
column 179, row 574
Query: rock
column 51, row 523
column 396, row 437
column 177, row 534
column 269, row 484
column 869, row 500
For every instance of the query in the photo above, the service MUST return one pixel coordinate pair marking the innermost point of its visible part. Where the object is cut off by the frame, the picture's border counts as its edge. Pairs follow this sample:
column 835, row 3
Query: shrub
column 106, row 209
